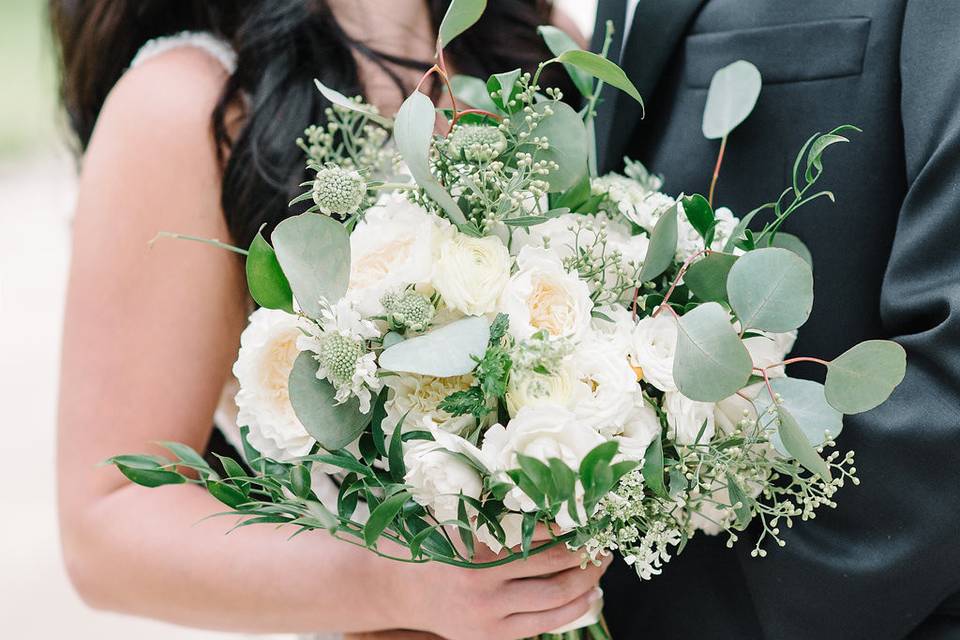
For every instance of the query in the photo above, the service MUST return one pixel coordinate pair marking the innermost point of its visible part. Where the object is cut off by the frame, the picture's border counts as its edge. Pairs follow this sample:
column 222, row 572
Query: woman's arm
column 150, row 334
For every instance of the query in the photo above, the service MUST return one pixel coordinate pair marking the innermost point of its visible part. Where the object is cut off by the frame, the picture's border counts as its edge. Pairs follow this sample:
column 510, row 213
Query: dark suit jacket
column 886, row 562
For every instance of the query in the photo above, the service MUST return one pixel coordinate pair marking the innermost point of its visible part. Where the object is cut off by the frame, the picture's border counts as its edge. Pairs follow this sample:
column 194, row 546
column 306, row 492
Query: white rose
column 529, row 388
column 653, row 350
column 436, row 478
column 557, row 234
column 470, row 273
column 685, row 418
column 392, row 246
column 512, row 525
column 542, row 432
column 726, row 223
column 729, row 412
column 639, row 430
column 268, row 349
column 604, row 387
column 542, row 295
column 418, row 398
column 616, row 327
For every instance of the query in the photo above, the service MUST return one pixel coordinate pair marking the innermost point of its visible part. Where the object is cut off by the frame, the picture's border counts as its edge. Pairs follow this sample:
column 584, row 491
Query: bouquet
column 497, row 338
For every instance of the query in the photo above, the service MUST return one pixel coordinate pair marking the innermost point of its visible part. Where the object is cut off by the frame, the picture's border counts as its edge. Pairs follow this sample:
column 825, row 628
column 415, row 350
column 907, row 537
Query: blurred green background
column 28, row 115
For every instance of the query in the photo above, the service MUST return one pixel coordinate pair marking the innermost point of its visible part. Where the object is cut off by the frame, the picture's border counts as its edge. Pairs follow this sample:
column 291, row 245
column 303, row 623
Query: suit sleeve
column 881, row 564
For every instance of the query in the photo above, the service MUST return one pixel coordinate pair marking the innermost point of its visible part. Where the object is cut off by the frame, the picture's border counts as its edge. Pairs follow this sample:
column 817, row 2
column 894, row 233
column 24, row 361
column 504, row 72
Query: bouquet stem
column 596, row 631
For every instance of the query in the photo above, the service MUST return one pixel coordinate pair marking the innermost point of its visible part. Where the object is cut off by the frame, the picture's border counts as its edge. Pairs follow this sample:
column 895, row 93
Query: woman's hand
column 392, row 635
column 515, row 600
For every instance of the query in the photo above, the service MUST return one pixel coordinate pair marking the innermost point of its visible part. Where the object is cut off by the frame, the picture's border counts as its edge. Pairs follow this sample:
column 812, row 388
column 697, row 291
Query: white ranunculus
column 470, row 273
column 436, row 478
column 685, row 417
column 604, row 386
column 528, row 388
column 616, row 327
column 417, row 397
column 393, row 246
column 653, row 349
column 268, row 349
column 543, row 296
column 639, row 430
column 542, row 432
column 512, row 525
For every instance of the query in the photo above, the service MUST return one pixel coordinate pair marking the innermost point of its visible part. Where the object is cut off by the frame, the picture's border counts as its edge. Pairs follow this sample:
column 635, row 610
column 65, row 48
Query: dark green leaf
column 653, row 468
column 600, row 67
column 397, row 467
column 150, row 477
column 227, row 494
column 382, row 516
column 701, row 216
column 268, row 286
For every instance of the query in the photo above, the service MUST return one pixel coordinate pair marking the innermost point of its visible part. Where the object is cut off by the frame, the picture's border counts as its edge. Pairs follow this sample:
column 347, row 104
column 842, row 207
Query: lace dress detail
column 225, row 417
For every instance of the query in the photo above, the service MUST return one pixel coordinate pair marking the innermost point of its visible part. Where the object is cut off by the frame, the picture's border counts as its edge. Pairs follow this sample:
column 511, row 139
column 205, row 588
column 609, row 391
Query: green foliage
column 733, row 94
column 864, row 377
column 413, row 132
column 707, row 277
column 771, row 289
column 791, row 242
column 314, row 252
column 701, row 216
column 460, row 16
column 808, row 406
column 503, row 89
column 568, row 143
column 334, row 425
column 383, row 516
column 498, row 328
column 663, row 247
column 602, row 69
column 797, row 445
column 711, row 361
column 337, row 98
column 451, row 350
column 268, row 286
column 559, row 43
column 147, row 471
column 653, row 468
column 470, row 401
column 473, row 91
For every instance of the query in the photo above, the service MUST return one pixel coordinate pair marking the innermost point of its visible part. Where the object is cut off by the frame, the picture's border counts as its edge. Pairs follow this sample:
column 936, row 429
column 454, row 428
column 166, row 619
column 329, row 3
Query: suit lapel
column 658, row 26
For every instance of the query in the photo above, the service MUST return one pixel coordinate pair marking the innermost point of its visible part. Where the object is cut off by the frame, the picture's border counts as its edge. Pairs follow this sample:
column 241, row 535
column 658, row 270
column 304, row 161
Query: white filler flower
column 268, row 349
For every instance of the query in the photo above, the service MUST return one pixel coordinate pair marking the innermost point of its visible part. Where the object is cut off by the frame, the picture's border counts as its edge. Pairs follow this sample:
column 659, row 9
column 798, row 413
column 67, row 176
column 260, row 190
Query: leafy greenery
column 863, row 377
column 268, row 286
column 310, row 244
column 732, row 96
column 334, row 425
column 451, row 350
column 771, row 289
column 711, row 361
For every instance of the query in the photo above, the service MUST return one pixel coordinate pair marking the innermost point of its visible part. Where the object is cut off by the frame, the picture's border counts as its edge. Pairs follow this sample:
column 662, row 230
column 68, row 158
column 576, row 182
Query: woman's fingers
column 557, row 558
column 392, row 635
column 530, row 595
column 523, row 625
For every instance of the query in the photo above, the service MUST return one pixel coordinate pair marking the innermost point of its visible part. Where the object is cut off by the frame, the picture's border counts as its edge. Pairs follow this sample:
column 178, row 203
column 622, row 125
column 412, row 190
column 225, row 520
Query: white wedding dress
column 225, row 417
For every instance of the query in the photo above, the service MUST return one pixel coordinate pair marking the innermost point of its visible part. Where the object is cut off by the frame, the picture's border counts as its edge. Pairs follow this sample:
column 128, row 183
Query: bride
column 195, row 133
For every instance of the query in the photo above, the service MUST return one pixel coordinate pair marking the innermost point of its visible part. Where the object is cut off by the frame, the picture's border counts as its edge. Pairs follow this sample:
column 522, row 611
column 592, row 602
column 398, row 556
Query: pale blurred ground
column 36, row 195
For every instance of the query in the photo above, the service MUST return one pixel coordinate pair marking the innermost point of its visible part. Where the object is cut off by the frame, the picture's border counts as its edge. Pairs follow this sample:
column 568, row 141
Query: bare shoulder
column 562, row 20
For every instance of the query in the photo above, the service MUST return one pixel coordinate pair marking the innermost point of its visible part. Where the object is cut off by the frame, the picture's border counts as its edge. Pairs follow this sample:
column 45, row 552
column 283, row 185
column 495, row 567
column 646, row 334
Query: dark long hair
column 282, row 45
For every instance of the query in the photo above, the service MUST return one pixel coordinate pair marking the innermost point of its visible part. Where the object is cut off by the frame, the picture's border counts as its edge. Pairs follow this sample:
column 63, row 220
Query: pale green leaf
column 460, row 16
column 568, row 144
column 473, row 91
column 807, row 403
column 331, row 424
column 599, row 67
column 865, row 376
column 733, row 93
column 771, row 289
column 444, row 352
column 341, row 100
column 314, row 252
column 663, row 246
column 711, row 361
column 559, row 43
column 707, row 277
column 791, row 242
column 797, row 445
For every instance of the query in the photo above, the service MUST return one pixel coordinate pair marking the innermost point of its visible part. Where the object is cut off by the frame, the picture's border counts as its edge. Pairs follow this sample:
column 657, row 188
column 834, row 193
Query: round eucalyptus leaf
column 314, row 252
column 733, row 93
column 707, row 277
column 808, row 406
column 791, row 242
column 771, row 289
column 444, row 352
column 568, row 144
column 865, row 376
column 662, row 248
column 331, row 424
column 711, row 361
column 473, row 91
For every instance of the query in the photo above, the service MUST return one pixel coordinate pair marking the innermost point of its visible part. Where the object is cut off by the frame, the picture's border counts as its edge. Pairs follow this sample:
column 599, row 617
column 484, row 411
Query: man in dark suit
column 886, row 563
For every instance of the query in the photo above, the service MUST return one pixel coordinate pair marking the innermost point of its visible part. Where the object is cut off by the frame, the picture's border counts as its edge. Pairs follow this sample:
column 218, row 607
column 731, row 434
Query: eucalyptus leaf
column 797, row 445
column 268, row 286
column 771, row 289
column 473, row 91
column 707, row 277
column 448, row 351
column 314, row 252
column 733, row 94
column 392, row 338
column 601, row 68
column 559, row 43
column 808, row 406
column 504, row 85
column 413, row 133
column 334, row 425
column 460, row 16
column 341, row 100
column 864, row 377
column 662, row 248
column 791, row 242
column 711, row 362
column 568, row 143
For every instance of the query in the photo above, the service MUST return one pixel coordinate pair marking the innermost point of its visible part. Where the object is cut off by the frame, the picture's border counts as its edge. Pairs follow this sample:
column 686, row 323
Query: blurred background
column 37, row 183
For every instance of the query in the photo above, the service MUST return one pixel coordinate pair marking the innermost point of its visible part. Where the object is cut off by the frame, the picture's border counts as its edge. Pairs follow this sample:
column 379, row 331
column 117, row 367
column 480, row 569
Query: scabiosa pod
column 338, row 191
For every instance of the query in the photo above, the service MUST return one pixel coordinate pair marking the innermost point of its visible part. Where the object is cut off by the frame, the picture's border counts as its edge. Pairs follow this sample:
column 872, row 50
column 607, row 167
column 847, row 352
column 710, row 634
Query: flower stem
column 716, row 169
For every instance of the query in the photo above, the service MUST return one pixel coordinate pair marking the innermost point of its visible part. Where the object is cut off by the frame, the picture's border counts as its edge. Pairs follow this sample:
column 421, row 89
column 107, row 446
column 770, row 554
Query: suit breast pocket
column 784, row 53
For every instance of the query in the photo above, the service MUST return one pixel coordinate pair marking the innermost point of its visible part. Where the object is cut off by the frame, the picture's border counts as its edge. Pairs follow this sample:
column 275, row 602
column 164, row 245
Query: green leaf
column 333, row 425
column 451, row 350
column 592, row 465
column 186, row 454
column 539, row 474
column 502, row 87
column 382, row 516
column 473, row 91
column 314, row 251
column 568, row 143
column 737, row 495
column 392, row 338
column 662, row 248
column 565, row 483
column 466, row 534
column 150, row 477
column 498, row 328
column 792, row 243
column 460, row 16
column 465, row 402
column 227, row 494
column 653, row 468
column 819, row 145
column 864, row 377
column 701, row 216
column 707, row 277
column 376, row 422
column 341, row 100
column 601, row 68
column 771, row 289
column 527, row 528
column 231, row 467
column 798, row 446
column 711, row 362
column 413, row 133
column 808, row 406
column 268, row 286
column 398, row 468
column 559, row 43
column 733, row 94
column 300, row 481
